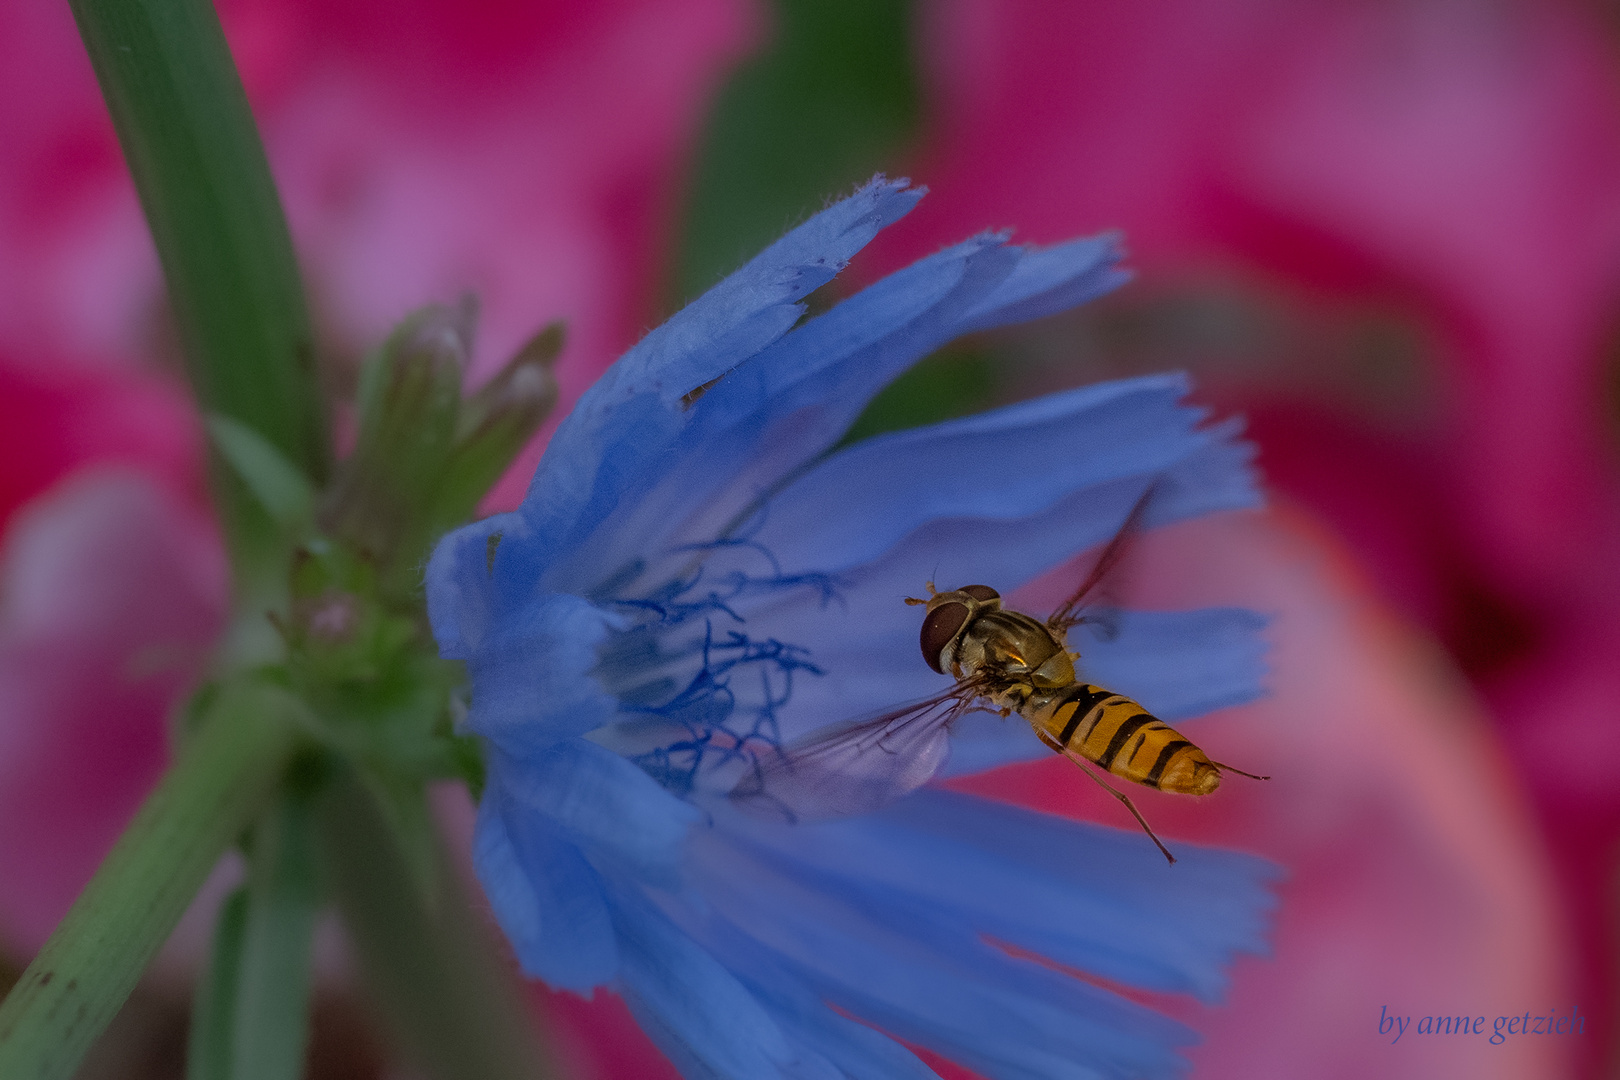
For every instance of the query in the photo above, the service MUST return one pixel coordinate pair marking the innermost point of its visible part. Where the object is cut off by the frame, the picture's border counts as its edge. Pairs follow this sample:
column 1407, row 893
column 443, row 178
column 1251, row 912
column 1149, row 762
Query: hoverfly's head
column 948, row 617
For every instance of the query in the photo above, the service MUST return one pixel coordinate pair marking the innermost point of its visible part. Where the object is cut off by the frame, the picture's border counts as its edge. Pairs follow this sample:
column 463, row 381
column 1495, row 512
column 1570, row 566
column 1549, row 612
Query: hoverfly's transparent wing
column 857, row 766
column 1101, row 618
column 1064, row 617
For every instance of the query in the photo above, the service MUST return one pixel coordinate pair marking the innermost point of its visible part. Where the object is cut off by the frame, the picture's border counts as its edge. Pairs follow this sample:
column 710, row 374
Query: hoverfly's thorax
column 1012, row 647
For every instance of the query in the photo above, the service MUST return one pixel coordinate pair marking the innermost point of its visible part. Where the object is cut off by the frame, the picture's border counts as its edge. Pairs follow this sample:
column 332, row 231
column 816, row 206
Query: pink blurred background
column 1385, row 230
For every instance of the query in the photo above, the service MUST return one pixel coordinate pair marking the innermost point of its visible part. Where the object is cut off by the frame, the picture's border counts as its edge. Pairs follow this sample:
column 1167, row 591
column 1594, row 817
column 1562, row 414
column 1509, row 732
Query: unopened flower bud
column 410, row 403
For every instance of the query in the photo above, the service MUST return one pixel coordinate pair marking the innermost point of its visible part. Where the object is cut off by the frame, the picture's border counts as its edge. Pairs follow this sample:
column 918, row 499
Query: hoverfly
column 1003, row 661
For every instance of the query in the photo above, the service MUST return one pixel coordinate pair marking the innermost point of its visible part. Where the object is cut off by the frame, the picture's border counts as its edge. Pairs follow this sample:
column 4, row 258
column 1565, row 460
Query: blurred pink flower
column 112, row 588
column 525, row 152
column 1462, row 159
column 1459, row 164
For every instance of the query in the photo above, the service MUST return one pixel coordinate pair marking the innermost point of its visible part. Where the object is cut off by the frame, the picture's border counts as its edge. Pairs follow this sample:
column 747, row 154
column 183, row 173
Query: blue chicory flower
column 696, row 571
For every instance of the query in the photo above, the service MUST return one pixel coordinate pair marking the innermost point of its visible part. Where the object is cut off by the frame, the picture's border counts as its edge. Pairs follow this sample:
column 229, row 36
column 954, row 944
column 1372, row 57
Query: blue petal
column 619, row 432
column 500, row 870
column 460, row 599
column 1100, row 900
column 1050, row 280
column 683, row 354
column 859, row 1052
column 1010, row 463
column 532, row 686
column 920, row 971
column 1180, row 664
column 798, row 397
column 801, row 395
column 601, row 803
column 546, row 897
column 697, row 1012
column 727, row 450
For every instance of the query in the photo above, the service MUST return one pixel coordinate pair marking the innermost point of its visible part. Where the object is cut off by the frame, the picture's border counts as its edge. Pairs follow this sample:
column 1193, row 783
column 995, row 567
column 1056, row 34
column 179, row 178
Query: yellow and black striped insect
column 1005, row 661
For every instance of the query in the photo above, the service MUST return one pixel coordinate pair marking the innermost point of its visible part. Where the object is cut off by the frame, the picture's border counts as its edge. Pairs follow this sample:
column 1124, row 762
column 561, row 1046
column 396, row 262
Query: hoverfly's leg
column 1120, row 795
column 1140, row 820
column 1240, row 772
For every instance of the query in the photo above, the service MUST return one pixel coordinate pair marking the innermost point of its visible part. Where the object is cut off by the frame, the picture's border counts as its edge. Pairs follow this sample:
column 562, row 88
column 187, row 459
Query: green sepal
column 281, row 490
column 525, row 386
column 380, row 697
column 496, row 423
column 424, row 457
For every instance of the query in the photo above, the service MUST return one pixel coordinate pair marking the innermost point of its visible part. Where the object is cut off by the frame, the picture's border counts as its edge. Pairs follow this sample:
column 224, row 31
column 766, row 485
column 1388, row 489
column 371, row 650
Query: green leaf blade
column 200, row 169
column 833, row 99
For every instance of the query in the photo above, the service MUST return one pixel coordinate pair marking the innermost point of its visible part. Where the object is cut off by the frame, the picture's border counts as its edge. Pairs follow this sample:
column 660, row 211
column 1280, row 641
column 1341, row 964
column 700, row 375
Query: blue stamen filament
column 715, row 727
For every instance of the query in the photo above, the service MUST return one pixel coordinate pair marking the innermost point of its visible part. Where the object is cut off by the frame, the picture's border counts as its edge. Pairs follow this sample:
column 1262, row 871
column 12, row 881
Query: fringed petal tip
column 758, row 302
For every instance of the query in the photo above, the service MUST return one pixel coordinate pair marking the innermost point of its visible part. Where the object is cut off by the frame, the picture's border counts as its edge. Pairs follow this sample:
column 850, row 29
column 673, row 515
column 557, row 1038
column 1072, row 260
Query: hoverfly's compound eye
column 942, row 624
column 982, row 593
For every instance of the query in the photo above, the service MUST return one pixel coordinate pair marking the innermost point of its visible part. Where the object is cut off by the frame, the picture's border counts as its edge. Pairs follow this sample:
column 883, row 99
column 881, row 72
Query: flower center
column 697, row 690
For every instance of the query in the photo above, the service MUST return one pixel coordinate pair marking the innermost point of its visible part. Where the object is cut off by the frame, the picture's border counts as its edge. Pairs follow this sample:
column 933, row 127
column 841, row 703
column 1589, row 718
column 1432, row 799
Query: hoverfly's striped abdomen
column 1124, row 738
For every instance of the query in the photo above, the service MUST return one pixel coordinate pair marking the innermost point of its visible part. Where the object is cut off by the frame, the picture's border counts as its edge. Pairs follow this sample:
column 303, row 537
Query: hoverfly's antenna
column 1240, row 772
column 914, row 601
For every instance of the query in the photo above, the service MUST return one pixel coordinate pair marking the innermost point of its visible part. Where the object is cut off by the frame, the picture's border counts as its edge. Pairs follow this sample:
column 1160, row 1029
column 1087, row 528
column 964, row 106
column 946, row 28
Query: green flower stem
column 430, row 967
column 221, row 781
column 271, row 1027
column 213, row 1006
column 200, row 170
